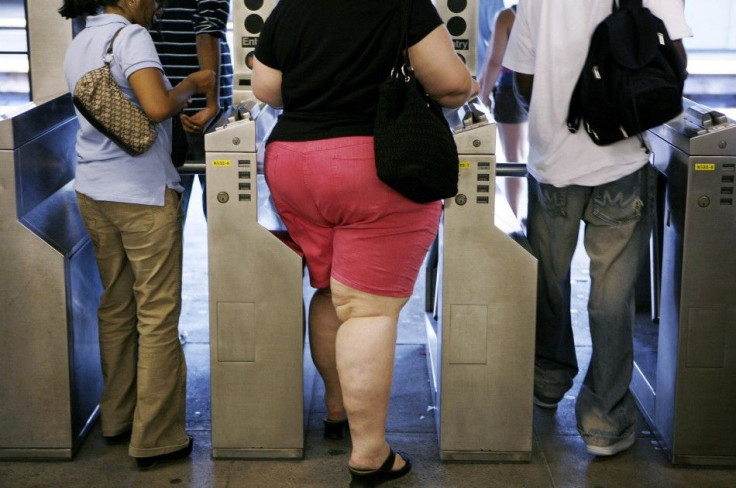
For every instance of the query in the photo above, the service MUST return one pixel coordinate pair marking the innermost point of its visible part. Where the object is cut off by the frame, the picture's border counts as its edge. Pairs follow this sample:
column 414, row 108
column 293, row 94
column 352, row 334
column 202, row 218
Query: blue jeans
column 618, row 218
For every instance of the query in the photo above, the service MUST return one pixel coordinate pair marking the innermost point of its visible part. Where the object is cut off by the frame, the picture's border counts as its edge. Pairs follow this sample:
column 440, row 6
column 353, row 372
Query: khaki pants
column 139, row 255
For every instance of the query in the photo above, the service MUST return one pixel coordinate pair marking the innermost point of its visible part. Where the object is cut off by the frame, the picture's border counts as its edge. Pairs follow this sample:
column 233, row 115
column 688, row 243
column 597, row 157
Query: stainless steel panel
column 29, row 121
column 481, row 330
column 691, row 397
column 49, row 291
column 56, row 220
column 83, row 293
column 256, row 308
column 698, row 130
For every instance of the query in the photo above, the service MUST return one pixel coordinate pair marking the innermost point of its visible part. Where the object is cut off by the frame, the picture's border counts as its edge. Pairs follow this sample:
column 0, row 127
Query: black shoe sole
column 149, row 462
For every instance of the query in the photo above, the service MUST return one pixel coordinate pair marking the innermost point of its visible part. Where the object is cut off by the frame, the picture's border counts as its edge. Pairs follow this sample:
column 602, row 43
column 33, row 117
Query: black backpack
column 632, row 79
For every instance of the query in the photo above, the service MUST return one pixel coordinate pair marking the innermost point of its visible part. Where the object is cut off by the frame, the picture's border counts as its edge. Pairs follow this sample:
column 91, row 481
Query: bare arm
column 266, row 84
column 434, row 60
column 439, row 69
column 208, row 53
column 159, row 103
column 494, row 56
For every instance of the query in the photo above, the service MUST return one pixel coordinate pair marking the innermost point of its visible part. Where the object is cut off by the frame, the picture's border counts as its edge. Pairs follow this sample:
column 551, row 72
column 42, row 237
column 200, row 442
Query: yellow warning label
column 705, row 167
column 464, row 164
column 221, row 162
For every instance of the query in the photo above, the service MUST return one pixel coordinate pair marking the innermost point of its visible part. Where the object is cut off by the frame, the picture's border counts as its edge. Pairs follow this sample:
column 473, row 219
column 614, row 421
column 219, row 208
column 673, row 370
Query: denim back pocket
column 622, row 201
column 553, row 199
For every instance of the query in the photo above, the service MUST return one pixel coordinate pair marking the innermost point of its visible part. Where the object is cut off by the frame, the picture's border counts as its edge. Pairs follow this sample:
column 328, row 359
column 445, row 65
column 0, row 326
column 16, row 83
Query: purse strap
column 402, row 64
column 107, row 58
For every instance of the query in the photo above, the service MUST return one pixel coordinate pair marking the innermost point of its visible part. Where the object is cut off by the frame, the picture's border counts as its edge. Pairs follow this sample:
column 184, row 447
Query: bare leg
column 366, row 343
column 515, row 149
column 323, row 326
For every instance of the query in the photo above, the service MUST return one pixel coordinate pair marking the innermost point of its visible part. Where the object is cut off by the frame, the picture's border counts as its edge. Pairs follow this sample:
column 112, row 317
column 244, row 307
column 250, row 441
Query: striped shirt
column 175, row 39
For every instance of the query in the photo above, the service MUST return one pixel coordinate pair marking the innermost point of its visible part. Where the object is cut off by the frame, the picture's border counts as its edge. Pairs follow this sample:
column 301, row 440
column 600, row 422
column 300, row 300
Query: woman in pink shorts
column 363, row 242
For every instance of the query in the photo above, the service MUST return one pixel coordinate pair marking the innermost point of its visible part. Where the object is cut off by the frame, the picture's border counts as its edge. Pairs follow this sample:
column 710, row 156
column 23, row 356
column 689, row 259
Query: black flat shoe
column 145, row 463
column 336, row 429
column 368, row 478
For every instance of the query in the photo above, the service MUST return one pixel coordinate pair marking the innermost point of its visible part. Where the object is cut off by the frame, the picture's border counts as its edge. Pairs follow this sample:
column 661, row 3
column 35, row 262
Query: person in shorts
column 363, row 242
column 509, row 112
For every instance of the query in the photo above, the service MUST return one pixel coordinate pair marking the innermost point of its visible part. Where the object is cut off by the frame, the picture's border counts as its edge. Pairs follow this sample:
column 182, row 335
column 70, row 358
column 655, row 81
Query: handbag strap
column 401, row 61
column 108, row 54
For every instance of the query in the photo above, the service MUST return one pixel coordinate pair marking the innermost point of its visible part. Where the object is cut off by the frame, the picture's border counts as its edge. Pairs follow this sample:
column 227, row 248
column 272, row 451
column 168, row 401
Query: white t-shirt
column 550, row 40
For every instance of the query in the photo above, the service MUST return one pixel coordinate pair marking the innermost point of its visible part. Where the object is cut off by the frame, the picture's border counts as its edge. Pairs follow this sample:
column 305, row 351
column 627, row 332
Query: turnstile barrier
column 481, row 359
column 685, row 363
column 480, row 329
column 51, row 377
column 256, row 308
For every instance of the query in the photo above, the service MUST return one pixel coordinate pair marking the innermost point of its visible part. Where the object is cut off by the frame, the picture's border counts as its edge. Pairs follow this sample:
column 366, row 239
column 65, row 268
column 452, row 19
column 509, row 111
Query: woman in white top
column 131, row 209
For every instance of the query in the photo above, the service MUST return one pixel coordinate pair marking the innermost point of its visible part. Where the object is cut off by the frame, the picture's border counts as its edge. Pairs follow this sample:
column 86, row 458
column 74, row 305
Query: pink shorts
column 349, row 224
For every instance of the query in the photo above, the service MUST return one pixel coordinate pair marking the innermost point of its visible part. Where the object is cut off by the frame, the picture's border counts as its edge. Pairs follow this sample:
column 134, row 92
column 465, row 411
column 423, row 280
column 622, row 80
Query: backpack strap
column 573, row 113
column 630, row 4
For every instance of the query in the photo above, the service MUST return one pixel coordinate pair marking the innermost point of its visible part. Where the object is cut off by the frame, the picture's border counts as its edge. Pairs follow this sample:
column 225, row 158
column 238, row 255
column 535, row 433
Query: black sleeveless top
column 333, row 55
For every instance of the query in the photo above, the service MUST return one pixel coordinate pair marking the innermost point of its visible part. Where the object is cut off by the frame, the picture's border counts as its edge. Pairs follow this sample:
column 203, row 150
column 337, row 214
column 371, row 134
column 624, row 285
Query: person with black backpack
column 608, row 185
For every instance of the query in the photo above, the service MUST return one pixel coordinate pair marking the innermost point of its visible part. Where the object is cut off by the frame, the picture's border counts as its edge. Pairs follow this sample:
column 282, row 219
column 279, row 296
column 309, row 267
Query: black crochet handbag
column 99, row 99
column 415, row 150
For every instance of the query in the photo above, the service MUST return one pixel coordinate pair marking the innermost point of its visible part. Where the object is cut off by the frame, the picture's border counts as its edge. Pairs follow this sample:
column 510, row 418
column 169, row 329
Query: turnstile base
column 645, row 400
column 219, row 453
column 62, row 454
column 50, row 453
column 486, row 456
column 701, row 460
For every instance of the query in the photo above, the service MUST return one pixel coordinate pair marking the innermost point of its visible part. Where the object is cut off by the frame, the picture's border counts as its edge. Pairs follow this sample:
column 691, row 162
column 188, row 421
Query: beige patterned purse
column 99, row 99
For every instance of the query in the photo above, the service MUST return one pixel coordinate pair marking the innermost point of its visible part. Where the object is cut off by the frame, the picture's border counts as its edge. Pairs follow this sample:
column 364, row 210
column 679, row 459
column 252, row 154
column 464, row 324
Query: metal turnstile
column 49, row 289
column 480, row 327
column 685, row 365
column 256, row 308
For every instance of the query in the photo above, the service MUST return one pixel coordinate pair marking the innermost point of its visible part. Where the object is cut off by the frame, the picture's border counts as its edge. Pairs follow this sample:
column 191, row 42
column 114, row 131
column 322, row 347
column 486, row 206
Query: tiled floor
column 559, row 458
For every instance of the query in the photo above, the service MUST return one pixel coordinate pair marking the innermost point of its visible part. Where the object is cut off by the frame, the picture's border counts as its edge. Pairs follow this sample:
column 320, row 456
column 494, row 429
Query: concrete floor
column 559, row 458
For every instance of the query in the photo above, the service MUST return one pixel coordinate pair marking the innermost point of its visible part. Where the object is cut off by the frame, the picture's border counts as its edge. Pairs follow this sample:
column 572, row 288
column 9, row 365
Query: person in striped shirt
column 189, row 36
